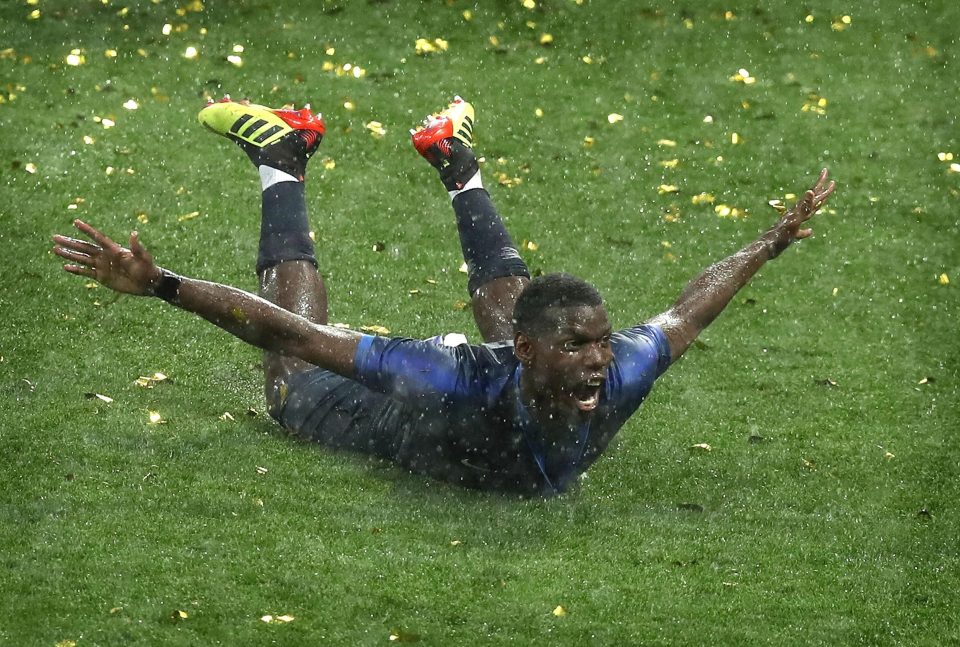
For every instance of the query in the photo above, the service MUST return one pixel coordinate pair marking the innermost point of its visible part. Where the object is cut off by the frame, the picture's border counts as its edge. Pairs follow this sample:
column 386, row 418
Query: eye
column 605, row 342
column 571, row 346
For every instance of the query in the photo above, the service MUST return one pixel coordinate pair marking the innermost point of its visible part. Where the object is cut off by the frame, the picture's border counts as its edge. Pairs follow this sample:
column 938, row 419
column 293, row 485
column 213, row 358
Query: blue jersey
column 471, row 426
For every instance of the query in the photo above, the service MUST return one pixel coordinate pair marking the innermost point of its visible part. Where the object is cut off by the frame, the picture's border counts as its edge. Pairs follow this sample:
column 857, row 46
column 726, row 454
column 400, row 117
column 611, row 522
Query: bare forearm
column 267, row 326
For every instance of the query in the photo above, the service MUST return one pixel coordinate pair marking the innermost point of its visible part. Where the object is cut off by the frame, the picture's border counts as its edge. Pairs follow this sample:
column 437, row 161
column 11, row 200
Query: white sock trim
column 473, row 183
column 270, row 176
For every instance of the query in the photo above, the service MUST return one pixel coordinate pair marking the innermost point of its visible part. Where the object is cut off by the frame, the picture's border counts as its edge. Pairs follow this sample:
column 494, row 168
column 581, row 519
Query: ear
column 523, row 348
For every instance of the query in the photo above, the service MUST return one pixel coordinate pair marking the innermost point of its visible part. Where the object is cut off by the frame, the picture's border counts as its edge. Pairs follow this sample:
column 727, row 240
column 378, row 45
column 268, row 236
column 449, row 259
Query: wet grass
column 826, row 511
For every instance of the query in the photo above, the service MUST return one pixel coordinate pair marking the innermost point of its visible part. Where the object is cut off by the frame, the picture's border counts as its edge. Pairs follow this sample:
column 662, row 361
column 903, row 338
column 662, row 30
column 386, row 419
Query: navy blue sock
column 487, row 247
column 284, row 229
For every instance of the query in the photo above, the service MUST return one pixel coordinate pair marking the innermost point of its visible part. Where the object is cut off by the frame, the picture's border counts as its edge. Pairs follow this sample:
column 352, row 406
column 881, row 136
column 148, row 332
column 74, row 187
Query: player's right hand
column 131, row 271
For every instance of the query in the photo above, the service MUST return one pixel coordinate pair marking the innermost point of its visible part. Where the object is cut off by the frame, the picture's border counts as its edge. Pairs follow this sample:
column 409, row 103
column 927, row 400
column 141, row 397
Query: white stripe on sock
column 270, row 176
column 473, row 183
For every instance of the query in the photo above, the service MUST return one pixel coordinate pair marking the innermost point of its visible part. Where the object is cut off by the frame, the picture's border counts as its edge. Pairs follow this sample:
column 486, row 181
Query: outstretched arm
column 706, row 296
column 252, row 319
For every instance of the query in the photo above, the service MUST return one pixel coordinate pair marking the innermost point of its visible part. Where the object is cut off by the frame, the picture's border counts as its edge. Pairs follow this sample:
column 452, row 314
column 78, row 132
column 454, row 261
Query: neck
column 537, row 400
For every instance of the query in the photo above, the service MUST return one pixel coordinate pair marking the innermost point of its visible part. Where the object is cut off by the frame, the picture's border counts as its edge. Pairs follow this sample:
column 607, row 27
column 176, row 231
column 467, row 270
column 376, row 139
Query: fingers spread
column 102, row 239
column 71, row 255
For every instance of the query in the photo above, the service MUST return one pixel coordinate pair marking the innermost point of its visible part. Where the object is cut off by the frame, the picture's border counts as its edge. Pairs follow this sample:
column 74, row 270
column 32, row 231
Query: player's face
column 567, row 367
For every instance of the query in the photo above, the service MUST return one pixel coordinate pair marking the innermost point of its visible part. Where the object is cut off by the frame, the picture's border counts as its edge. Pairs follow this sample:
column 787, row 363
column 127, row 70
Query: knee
column 276, row 391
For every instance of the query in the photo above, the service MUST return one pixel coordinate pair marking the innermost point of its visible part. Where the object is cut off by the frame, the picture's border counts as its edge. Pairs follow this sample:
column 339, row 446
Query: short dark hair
column 536, row 313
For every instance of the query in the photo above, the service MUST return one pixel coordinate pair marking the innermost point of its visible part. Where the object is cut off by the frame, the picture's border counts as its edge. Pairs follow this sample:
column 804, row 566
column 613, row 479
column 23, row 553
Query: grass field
column 826, row 511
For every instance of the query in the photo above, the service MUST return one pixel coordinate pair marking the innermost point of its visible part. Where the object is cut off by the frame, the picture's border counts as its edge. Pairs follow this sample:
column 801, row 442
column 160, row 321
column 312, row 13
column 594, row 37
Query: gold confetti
column 953, row 168
column 87, row 139
column 587, row 59
column 667, row 188
column 376, row 129
column 375, row 329
column 235, row 60
column 815, row 104
column 262, row 470
column 589, row 141
column 329, row 163
column 889, row 455
column 702, row 446
column 669, row 163
column 559, row 611
column 34, row 15
column 179, row 614
column 530, row 245
column 529, row 4
column 99, row 396
column 546, row 39
column 30, row 167
column 945, row 157
column 464, row 268
column 227, row 417
column 75, row 58
column 735, row 138
column 67, row 643
column 943, row 279
column 349, row 105
column 540, row 60
column 808, row 18
column 725, row 211
column 156, row 419
column 729, row 15
column 131, row 104
column 778, row 205
column 708, row 119
column 188, row 216
column 150, row 381
column 538, row 112
column 467, row 15
column 191, row 52
column 688, row 23
column 456, row 542
column 841, row 23
column 835, row 291
column 614, row 117
column 424, row 46
column 743, row 76
column 142, row 217
column 666, row 143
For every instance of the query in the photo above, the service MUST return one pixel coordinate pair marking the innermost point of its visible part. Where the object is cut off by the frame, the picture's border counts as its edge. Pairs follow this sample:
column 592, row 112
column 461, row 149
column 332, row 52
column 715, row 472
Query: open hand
column 131, row 271
column 790, row 226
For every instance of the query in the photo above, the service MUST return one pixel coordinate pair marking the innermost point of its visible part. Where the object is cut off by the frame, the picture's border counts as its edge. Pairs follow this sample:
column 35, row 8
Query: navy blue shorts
column 341, row 413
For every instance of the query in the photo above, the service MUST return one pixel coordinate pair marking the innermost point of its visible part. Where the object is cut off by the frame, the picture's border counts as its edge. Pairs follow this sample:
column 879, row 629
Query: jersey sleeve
column 416, row 371
column 641, row 355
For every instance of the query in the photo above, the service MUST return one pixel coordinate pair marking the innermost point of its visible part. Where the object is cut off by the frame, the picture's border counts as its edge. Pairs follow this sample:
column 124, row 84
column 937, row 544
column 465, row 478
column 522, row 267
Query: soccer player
column 527, row 411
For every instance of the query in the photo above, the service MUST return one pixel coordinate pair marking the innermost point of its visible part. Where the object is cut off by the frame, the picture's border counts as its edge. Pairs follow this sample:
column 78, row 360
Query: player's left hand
column 790, row 226
column 131, row 271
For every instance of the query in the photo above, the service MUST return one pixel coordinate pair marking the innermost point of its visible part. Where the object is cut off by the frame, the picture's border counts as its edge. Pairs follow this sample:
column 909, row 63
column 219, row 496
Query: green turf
column 826, row 512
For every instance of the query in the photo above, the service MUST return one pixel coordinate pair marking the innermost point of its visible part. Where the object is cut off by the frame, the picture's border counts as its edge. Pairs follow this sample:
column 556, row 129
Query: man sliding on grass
column 527, row 411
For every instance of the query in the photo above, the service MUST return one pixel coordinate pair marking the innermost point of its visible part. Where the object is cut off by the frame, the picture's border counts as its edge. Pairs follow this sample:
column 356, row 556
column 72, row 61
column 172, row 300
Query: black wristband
column 168, row 288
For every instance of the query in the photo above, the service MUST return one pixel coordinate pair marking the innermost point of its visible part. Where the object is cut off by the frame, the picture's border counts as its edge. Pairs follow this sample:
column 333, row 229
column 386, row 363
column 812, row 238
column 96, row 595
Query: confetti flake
column 188, row 216
column 99, row 396
column 235, row 60
column 945, row 157
column 735, row 138
column 559, row 611
column 467, row 15
column 953, row 168
column 156, row 419
column 376, row 129
column 815, row 104
column 726, row 211
column 546, row 39
column 75, row 58
column 841, row 23
column 131, row 104
column 30, row 167
column 178, row 615
column 943, row 279
column 538, row 113
column 424, row 46
column 666, row 143
column 743, row 76
column 588, row 141
column 262, row 470
column 67, row 643
column 375, row 329
column 669, row 163
column 702, row 447
column 614, row 118
column 667, row 188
